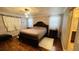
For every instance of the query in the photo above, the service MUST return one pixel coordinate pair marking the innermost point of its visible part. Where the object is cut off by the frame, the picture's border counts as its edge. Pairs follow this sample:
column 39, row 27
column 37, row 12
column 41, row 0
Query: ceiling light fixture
column 26, row 9
column 27, row 12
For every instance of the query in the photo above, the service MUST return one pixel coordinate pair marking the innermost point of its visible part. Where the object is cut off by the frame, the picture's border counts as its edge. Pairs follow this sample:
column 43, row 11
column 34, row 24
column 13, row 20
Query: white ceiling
column 34, row 10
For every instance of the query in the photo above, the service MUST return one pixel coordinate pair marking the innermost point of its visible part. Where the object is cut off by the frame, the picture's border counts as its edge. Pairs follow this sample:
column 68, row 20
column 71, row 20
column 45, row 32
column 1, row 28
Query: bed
column 34, row 34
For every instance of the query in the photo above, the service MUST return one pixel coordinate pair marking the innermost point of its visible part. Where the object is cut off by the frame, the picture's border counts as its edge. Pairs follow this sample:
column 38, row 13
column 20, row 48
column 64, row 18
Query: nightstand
column 53, row 34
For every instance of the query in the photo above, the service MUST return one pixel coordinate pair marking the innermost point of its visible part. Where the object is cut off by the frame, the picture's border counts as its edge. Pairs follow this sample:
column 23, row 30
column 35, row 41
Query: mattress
column 38, row 32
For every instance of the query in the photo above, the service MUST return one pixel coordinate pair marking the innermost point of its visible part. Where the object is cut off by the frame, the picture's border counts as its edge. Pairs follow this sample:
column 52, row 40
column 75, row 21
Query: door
column 76, row 44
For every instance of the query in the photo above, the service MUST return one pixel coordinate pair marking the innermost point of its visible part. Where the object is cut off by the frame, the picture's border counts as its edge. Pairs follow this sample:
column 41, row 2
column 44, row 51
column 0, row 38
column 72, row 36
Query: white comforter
column 36, row 31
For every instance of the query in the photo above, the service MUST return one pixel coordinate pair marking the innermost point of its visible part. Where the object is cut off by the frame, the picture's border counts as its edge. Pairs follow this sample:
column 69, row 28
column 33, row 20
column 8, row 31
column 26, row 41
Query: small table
column 47, row 43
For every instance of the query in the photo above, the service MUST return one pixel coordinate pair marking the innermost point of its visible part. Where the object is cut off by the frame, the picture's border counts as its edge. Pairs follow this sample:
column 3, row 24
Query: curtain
column 30, row 22
column 17, row 23
column 54, row 22
column 8, row 23
column 12, row 23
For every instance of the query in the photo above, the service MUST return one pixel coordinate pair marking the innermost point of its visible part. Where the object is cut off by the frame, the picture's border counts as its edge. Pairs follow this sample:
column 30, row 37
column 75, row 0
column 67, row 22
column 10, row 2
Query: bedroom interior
column 38, row 28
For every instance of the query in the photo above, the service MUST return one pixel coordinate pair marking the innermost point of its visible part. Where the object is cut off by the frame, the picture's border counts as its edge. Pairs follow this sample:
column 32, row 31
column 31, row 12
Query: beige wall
column 64, row 31
column 42, row 18
column 69, row 44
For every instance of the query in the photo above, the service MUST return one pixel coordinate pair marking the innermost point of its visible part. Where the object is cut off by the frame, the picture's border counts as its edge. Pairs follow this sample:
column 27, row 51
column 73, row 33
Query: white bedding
column 35, row 31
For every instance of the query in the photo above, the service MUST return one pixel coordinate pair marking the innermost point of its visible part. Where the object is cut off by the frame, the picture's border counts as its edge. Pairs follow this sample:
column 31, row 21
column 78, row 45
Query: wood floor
column 15, row 45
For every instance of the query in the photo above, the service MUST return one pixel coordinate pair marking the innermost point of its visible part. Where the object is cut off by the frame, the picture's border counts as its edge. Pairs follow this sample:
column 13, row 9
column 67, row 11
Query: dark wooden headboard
column 41, row 24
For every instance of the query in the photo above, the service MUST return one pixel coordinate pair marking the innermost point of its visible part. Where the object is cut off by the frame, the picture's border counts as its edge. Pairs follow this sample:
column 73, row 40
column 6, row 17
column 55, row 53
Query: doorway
column 73, row 29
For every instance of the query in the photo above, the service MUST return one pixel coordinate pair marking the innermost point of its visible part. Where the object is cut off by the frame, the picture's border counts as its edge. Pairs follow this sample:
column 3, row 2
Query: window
column 54, row 22
column 30, row 22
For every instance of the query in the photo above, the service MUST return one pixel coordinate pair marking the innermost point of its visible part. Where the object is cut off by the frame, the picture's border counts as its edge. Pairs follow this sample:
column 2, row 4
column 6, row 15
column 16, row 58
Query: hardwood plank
column 15, row 45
